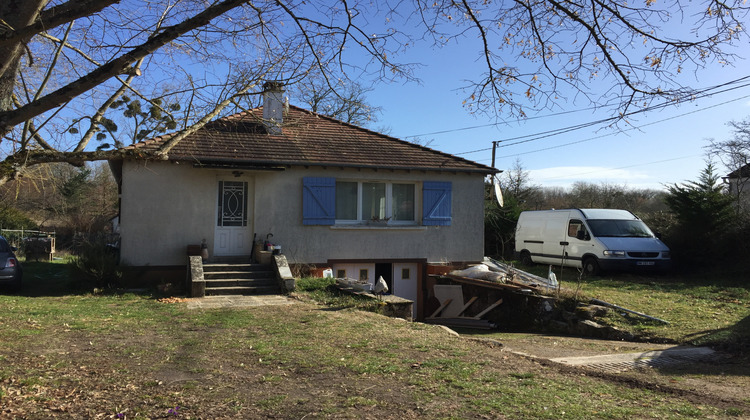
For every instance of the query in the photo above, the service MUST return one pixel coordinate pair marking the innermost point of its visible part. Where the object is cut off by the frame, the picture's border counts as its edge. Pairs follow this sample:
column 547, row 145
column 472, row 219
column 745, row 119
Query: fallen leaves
column 172, row 299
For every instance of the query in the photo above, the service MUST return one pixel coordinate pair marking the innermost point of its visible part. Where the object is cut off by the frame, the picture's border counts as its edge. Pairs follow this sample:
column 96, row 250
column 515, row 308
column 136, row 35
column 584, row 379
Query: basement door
column 405, row 283
column 232, row 234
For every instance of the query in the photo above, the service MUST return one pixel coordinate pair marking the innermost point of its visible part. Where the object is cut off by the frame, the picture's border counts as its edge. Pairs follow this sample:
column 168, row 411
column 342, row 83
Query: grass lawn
column 702, row 309
column 77, row 355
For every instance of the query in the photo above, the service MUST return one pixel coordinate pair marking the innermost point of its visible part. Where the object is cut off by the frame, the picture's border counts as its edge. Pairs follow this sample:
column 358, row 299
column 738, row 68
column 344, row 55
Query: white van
column 593, row 239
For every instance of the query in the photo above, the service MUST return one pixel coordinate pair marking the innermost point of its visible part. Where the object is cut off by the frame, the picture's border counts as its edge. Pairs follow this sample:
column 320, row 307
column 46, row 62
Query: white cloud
column 565, row 176
column 582, row 173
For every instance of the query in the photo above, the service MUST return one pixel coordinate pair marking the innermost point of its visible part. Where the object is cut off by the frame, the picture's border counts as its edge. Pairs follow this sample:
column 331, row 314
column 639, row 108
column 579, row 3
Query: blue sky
column 661, row 148
column 668, row 147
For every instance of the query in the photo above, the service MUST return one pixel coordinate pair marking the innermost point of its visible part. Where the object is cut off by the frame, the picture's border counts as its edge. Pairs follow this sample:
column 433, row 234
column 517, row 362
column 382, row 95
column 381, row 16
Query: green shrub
column 96, row 264
column 307, row 284
column 12, row 218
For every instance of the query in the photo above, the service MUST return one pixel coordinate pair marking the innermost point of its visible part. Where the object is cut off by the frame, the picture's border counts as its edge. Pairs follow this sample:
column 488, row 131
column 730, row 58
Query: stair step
column 247, row 275
column 238, row 290
column 214, row 267
column 239, row 278
column 240, row 259
column 268, row 282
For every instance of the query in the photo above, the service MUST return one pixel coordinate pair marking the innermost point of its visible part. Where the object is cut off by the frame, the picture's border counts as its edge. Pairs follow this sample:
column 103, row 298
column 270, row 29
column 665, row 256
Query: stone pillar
column 196, row 282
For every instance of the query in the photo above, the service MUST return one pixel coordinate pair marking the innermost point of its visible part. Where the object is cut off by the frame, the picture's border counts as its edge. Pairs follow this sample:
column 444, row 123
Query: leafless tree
column 345, row 100
column 734, row 154
column 65, row 63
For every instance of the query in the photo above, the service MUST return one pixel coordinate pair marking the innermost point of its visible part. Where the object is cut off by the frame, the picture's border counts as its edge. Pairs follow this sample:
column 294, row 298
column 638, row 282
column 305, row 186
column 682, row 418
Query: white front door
column 232, row 236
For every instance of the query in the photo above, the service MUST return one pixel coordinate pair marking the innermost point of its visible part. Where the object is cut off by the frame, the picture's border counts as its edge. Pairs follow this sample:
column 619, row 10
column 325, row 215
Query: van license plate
column 645, row 263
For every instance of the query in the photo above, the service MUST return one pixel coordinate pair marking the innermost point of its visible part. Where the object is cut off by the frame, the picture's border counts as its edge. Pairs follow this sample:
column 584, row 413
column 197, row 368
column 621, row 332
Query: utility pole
column 494, row 147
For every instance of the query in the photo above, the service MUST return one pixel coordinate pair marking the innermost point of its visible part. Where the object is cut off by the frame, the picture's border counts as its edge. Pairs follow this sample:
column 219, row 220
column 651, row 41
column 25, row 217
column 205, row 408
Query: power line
column 499, row 123
column 630, row 129
column 538, row 136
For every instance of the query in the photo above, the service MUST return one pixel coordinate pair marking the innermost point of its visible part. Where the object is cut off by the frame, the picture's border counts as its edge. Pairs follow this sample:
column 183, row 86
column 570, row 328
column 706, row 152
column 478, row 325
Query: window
column 576, row 229
column 364, row 274
column 620, row 228
column 328, row 201
column 364, row 201
column 232, row 203
column 403, row 202
column 346, row 200
column 405, row 274
column 373, row 201
column 341, row 274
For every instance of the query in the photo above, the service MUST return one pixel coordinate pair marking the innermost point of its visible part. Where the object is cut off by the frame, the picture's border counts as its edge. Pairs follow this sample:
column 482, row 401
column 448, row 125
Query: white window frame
column 388, row 202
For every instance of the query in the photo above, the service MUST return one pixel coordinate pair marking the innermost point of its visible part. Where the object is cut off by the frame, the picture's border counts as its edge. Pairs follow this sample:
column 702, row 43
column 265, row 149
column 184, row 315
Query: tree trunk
column 14, row 15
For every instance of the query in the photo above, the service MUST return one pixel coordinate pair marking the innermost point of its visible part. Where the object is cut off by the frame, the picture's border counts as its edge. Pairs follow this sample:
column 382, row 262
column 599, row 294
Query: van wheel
column 526, row 258
column 591, row 267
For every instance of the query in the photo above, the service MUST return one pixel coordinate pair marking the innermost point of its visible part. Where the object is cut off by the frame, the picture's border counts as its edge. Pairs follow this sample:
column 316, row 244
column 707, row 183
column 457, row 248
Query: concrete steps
column 239, row 278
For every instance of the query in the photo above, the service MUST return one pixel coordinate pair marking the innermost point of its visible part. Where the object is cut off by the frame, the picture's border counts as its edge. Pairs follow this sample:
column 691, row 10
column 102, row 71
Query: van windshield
column 620, row 228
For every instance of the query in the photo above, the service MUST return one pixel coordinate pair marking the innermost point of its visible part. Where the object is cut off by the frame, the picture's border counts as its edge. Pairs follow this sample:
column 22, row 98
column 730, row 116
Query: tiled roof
column 307, row 139
column 743, row 172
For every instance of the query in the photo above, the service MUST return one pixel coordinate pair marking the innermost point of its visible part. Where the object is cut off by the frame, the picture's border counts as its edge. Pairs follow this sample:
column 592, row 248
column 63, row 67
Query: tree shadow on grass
column 49, row 279
column 734, row 339
column 733, row 357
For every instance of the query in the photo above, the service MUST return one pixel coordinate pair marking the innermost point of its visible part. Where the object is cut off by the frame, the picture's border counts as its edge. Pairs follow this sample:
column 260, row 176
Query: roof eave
column 276, row 164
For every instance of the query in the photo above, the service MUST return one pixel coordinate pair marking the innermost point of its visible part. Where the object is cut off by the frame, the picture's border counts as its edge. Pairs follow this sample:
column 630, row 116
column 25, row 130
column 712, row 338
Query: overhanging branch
column 9, row 119
column 55, row 16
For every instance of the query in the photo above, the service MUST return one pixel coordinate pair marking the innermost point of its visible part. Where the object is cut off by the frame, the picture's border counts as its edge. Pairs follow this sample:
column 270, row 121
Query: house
column 738, row 184
column 329, row 193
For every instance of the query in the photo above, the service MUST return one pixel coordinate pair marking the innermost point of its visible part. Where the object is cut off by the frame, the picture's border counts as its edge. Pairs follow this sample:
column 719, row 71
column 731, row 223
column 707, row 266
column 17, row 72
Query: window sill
column 374, row 227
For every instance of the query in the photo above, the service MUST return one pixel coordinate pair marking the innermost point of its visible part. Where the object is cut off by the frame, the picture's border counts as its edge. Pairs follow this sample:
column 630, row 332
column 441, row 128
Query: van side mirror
column 658, row 235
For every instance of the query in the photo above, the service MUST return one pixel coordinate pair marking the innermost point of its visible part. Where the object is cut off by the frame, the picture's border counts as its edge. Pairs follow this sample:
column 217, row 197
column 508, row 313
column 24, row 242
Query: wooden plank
column 489, row 308
column 453, row 292
column 488, row 284
column 466, row 306
column 440, row 309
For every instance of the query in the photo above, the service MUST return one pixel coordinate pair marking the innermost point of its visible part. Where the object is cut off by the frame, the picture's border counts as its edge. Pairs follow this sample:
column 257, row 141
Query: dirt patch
column 553, row 346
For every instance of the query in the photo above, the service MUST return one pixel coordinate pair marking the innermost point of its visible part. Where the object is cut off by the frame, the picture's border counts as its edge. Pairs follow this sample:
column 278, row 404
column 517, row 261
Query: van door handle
column 564, row 243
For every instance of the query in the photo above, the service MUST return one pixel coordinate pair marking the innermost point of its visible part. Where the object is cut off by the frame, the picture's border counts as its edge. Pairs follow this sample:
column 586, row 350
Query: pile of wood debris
column 495, row 274
column 491, row 274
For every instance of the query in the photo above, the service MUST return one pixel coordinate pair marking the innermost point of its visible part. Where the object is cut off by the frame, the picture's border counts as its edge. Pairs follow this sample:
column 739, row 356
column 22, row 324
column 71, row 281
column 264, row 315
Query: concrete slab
column 210, row 302
column 625, row 361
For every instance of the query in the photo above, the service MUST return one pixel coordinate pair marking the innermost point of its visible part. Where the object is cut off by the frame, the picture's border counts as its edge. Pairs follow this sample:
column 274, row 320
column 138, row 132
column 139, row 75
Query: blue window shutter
column 318, row 201
column 436, row 203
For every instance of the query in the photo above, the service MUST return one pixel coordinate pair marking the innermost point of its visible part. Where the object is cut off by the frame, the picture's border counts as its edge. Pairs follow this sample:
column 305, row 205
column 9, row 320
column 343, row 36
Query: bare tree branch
column 196, row 57
column 117, row 66
column 53, row 17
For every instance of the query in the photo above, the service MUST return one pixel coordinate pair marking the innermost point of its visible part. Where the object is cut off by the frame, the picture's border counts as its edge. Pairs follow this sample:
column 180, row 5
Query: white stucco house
column 738, row 184
column 331, row 194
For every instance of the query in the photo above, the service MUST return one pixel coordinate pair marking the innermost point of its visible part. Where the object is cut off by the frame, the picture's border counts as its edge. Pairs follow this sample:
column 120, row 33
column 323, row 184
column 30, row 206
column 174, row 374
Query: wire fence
column 34, row 244
column 16, row 237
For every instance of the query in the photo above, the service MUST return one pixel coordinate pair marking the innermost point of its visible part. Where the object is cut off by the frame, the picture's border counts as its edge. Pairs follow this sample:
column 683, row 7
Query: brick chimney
column 273, row 106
